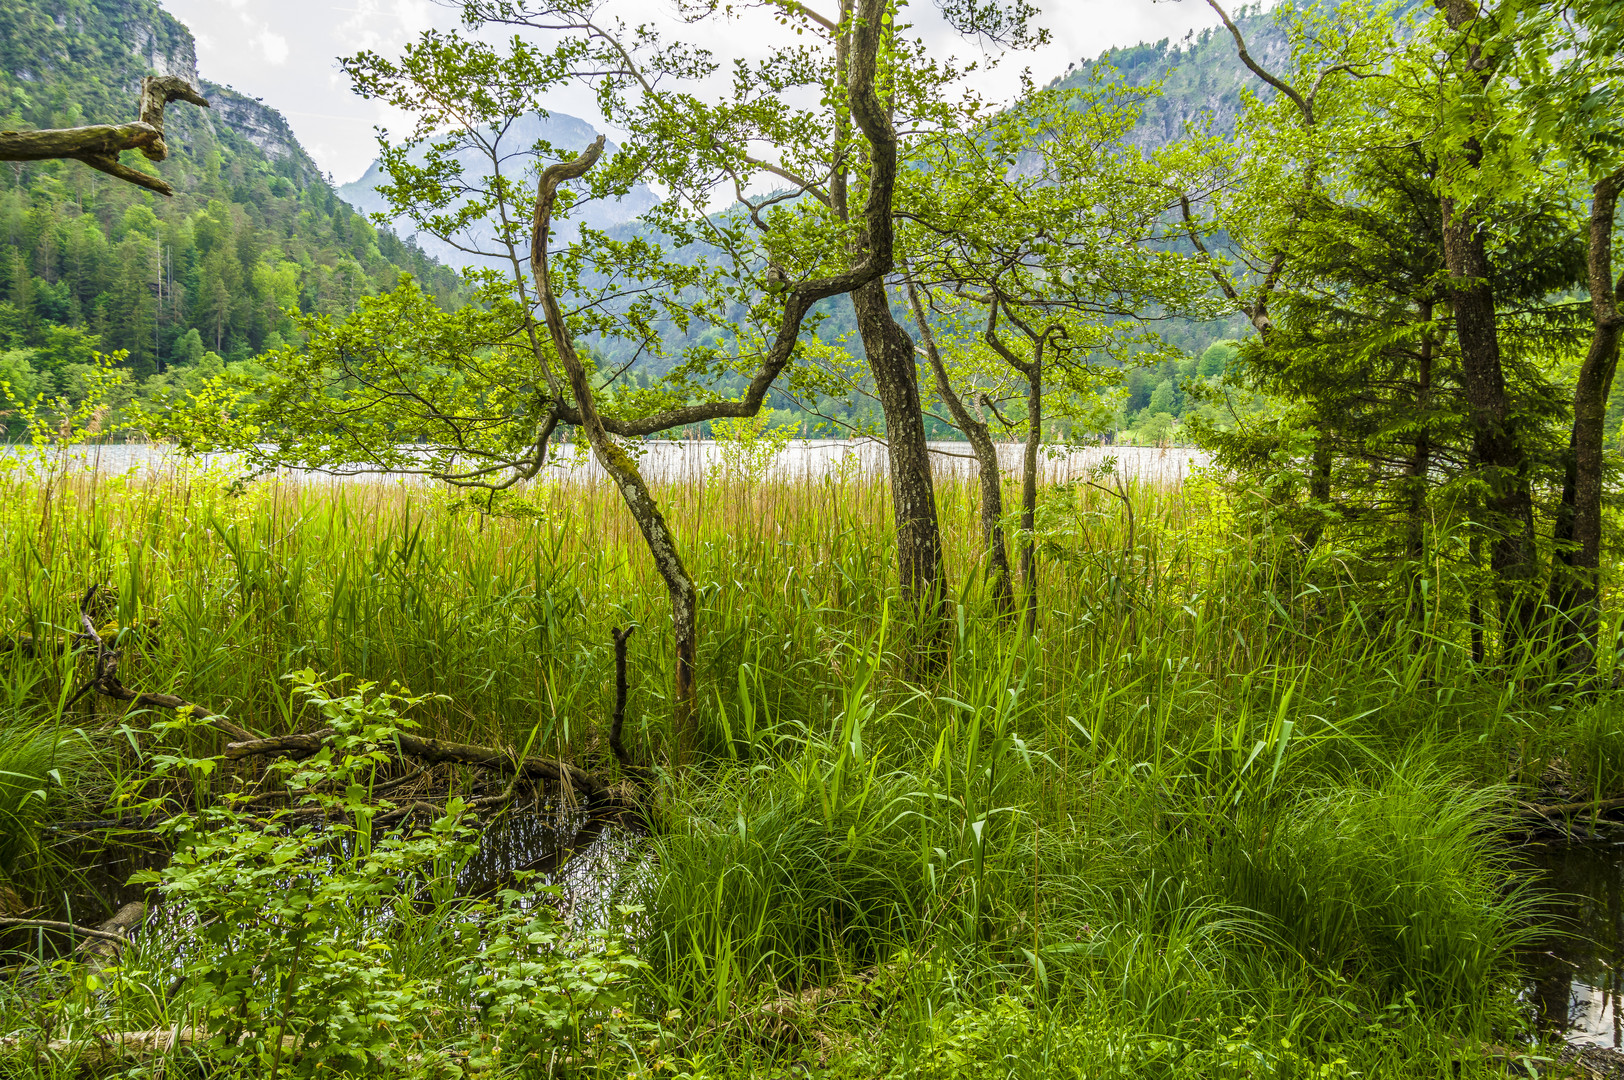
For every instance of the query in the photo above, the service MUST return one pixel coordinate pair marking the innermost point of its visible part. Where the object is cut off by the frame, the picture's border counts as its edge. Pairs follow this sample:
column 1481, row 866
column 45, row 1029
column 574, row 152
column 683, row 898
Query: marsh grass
column 1216, row 818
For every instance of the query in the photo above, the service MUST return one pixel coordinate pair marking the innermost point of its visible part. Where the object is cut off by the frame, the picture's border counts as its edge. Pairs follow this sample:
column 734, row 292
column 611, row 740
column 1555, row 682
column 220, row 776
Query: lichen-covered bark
column 1029, row 486
column 913, row 493
column 871, row 118
column 657, row 534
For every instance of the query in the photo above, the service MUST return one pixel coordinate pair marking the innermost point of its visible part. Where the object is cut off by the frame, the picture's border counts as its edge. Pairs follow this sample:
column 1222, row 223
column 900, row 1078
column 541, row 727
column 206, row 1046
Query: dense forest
column 181, row 286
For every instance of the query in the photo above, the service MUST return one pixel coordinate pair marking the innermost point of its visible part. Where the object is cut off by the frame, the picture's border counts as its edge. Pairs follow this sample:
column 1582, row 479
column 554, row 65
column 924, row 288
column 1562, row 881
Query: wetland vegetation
column 473, row 765
column 1216, row 817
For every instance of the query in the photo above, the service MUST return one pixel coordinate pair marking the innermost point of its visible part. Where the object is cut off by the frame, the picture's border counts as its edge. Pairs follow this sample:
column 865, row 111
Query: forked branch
column 98, row 145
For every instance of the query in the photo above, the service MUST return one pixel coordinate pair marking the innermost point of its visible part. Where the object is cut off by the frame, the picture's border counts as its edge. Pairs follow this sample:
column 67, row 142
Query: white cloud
column 274, row 46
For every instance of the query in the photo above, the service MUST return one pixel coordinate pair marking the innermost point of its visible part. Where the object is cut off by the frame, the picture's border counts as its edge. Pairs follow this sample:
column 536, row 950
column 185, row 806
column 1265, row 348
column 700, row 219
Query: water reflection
column 688, row 460
column 1576, row 968
column 589, row 857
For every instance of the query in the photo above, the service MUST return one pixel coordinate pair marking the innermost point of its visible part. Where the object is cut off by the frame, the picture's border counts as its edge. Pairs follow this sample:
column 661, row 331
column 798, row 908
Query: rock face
column 262, row 126
column 558, row 130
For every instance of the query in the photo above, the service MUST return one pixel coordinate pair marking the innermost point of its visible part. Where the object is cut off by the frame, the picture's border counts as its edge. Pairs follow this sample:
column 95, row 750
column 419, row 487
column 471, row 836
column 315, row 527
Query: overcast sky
column 283, row 51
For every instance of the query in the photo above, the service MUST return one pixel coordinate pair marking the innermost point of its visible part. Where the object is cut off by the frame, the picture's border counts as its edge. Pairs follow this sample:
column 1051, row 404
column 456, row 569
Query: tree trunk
column 913, row 493
column 1319, row 488
column 988, row 471
column 1575, row 576
column 616, row 462
column 1421, row 457
column 1029, row 486
column 1497, row 452
column 1415, row 530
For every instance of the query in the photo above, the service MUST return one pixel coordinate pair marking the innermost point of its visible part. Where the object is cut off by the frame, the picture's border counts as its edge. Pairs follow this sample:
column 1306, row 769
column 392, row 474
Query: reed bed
column 1215, row 818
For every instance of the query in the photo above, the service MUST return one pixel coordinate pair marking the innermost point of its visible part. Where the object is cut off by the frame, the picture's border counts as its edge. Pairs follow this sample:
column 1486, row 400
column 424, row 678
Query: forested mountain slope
column 1200, row 77
column 88, row 262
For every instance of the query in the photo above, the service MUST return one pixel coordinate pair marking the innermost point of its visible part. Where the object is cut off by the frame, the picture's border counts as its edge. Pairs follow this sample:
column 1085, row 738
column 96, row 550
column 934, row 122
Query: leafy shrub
column 323, row 944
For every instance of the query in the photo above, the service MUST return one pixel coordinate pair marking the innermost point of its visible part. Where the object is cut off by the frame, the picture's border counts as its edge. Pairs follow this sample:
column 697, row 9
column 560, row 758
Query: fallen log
column 114, row 1047
column 103, row 947
column 558, row 773
column 1564, row 809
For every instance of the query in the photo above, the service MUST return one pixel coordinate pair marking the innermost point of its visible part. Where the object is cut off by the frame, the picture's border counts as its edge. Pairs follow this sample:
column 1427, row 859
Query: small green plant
column 748, row 446
column 325, row 943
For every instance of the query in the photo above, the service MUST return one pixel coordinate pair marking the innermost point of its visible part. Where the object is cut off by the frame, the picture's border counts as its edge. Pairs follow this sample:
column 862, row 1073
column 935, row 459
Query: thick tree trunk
column 913, row 493
column 1415, row 512
column 1497, row 451
column 989, row 473
column 1575, row 576
column 1421, row 456
column 1029, row 487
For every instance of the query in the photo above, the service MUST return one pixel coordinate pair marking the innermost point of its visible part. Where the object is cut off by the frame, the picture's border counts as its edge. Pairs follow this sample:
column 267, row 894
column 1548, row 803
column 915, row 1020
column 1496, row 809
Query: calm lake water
column 1577, row 967
column 669, row 460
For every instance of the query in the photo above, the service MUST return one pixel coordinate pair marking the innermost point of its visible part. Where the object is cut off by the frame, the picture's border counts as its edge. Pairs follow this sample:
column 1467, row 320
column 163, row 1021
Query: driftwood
column 99, row 145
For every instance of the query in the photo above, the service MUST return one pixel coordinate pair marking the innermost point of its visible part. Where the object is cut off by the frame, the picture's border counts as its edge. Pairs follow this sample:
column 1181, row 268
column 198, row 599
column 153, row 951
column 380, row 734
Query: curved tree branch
column 98, row 145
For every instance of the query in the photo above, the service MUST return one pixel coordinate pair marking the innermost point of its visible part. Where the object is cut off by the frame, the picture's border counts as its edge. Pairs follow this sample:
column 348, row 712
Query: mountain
column 556, row 129
column 1201, row 77
column 88, row 262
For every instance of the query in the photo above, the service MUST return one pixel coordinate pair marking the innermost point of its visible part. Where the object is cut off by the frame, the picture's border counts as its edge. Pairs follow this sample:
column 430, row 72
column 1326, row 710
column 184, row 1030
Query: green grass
column 1229, row 813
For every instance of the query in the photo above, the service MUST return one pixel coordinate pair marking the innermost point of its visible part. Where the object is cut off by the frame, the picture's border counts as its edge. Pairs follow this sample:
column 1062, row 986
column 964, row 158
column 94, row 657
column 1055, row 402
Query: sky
column 284, row 52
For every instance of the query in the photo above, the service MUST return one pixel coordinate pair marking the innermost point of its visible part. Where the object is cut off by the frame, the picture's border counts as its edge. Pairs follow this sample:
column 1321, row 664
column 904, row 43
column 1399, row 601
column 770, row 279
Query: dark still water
column 1577, row 968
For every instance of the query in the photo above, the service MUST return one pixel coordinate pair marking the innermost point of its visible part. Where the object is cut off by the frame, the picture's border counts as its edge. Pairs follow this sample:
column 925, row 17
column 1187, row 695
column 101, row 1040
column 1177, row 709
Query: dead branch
column 1564, row 809
column 98, row 145
column 66, row 928
column 559, row 773
column 628, row 764
column 106, row 681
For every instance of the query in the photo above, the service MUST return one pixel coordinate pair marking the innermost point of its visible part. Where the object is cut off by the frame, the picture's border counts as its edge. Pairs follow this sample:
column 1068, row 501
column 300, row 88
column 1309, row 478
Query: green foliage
column 89, row 262
column 310, row 926
column 33, row 761
column 748, row 448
